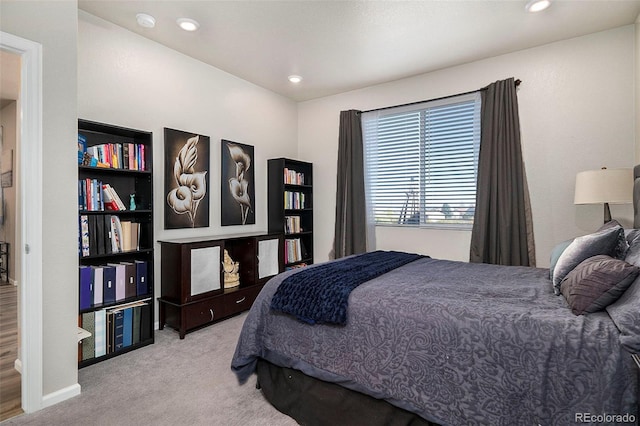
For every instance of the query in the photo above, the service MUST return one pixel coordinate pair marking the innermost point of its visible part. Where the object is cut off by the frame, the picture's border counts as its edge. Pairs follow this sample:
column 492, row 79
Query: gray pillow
column 596, row 283
column 555, row 255
column 632, row 254
column 605, row 241
column 625, row 313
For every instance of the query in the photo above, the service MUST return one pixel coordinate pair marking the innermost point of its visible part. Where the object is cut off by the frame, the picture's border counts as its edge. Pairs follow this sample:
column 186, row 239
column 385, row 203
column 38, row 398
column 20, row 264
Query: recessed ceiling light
column 145, row 20
column 537, row 5
column 295, row 78
column 188, row 24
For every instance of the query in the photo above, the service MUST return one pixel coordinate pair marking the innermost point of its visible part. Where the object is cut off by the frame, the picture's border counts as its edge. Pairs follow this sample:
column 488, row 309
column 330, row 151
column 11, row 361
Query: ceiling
column 337, row 46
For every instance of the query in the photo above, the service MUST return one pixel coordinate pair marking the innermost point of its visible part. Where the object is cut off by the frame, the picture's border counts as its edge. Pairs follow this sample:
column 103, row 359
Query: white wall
column 128, row 80
column 576, row 113
column 54, row 25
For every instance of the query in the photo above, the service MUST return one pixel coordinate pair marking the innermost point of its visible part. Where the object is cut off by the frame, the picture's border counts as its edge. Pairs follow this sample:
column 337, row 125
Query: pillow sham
column 604, row 241
column 596, row 283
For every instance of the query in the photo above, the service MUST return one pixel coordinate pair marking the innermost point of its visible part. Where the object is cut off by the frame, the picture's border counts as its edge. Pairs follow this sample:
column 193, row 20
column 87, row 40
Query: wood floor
column 10, row 395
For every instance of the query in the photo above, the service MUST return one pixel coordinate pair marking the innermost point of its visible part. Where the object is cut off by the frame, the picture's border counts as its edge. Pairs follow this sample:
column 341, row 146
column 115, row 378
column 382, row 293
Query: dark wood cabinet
column 192, row 289
column 130, row 173
column 290, row 206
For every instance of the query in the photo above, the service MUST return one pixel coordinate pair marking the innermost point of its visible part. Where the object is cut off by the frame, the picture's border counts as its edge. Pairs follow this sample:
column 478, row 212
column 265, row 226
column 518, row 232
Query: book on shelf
column 100, row 331
column 109, row 284
column 88, row 343
column 294, row 250
column 126, row 156
column 294, row 200
column 106, row 234
column 86, row 287
column 112, row 282
column 292, row 225
column 95, row 195
column 292, row 177
column 98, row 284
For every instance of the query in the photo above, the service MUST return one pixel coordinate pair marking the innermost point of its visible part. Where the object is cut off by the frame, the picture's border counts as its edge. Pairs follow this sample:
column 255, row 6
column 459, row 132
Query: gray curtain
column 351, row 229
column 502, row 228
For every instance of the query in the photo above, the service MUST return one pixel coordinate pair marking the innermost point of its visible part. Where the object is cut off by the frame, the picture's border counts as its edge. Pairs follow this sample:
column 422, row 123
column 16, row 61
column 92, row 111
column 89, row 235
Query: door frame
column 29, row 234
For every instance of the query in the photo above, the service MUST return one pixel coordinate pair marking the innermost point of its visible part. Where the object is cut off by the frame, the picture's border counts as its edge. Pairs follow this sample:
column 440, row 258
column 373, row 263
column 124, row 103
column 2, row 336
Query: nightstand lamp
column 604, row 186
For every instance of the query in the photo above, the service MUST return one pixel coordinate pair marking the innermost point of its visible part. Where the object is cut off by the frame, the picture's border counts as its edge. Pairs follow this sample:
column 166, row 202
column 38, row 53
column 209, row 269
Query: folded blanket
column 320, row 294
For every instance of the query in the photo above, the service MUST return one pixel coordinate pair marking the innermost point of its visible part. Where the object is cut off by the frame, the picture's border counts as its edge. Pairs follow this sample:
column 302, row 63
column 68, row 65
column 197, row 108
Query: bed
column 452, row 343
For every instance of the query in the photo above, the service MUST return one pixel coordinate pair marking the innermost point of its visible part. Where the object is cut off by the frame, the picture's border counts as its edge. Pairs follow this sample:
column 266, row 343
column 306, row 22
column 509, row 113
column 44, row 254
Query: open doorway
column 27, row 232
column 10, row 379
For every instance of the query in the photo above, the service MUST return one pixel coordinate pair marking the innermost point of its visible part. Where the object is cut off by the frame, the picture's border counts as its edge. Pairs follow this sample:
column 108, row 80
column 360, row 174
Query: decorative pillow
column 632, row 254
column 596, row 283
column 605, row 241
column 622, row 246
column 555, row 255
column 625, row 313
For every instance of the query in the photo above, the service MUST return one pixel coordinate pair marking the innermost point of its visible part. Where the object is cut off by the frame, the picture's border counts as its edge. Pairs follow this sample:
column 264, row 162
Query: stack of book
column 95, row 195
column 127, row 156
column 112, row 282
column 292, row 225
column 291, row 177
column 294, row 200
column 114, row 329
column 106, row 234
column 294, row 250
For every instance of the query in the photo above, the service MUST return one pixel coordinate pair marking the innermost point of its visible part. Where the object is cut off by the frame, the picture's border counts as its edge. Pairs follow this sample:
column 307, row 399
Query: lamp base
column 607, row 213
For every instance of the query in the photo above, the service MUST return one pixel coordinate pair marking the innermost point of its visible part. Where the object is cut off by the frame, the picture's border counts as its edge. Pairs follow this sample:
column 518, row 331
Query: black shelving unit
column 125, row 181
column 290, row 206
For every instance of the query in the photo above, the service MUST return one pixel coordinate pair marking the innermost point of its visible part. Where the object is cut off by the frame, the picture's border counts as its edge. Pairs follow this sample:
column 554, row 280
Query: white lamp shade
column 614, row 186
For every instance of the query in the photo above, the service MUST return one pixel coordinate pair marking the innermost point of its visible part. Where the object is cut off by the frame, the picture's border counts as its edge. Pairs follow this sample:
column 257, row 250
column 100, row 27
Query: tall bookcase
column 115, row 247
column 290, row 206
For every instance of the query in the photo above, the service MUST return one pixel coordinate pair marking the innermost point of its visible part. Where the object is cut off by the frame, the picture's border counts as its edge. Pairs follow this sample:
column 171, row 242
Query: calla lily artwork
column 237, row 184
column 186, row 180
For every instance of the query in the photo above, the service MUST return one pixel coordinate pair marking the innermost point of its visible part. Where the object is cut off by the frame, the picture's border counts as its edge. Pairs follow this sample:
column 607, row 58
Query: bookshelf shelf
column 290, row 206
column 115, row 246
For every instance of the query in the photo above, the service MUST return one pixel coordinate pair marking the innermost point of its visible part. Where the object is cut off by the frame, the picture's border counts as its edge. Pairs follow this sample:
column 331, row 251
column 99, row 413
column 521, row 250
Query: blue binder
column 127, row 330
column 109, row 283
column 118, row 330
column 86, row 287
column 142, row 284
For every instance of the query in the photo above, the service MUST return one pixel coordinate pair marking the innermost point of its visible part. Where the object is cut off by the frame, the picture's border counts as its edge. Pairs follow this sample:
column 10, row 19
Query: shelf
column 123, row 325
column 107, row 170
column 279, row 196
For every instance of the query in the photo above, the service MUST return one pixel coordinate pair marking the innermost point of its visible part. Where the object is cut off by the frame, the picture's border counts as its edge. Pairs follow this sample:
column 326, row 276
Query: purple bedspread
column 458, row 344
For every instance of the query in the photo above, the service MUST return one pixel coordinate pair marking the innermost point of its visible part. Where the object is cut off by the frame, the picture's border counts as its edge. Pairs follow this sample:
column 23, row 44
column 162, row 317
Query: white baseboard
column 60, row 395
column 17, row 365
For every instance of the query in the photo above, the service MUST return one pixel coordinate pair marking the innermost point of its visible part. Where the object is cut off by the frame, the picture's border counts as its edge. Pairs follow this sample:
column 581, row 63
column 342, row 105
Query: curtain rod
column 517, row 83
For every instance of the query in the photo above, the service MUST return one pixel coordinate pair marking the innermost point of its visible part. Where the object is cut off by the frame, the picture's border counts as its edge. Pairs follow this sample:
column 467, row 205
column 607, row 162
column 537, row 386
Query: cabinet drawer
column 241, row 300
column 201, row 313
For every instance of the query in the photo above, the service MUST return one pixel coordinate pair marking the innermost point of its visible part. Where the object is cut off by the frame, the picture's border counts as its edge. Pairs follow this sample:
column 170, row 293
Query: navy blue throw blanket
column 320, row 294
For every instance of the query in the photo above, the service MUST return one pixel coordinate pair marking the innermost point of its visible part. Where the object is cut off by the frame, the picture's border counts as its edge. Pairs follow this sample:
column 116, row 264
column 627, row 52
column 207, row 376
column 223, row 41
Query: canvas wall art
column 238, row 184
column 186, row 179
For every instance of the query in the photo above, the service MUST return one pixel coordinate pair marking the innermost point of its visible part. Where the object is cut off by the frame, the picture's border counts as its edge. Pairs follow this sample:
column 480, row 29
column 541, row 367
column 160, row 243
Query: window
column 421, row 162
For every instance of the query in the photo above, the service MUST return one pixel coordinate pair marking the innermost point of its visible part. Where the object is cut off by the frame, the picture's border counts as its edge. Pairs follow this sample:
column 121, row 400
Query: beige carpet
column 172, row 382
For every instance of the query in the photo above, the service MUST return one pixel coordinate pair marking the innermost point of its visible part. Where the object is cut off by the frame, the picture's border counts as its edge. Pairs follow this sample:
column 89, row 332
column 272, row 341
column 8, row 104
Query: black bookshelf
column 96, row 252
column 290, row 206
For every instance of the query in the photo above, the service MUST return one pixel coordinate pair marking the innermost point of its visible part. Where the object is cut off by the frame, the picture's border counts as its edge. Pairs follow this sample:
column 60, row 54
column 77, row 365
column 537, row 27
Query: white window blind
column 421, row 162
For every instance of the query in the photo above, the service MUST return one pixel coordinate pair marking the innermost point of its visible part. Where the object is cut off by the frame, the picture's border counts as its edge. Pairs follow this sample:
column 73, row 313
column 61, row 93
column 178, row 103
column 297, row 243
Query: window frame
column 424, row 145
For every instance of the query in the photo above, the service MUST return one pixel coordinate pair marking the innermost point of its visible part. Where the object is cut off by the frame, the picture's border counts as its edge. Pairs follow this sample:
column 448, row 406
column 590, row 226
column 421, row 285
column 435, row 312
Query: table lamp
column 604, row 186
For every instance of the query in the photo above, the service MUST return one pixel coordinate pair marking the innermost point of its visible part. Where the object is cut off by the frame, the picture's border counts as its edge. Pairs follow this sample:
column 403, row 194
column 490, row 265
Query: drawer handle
column 211, row 312
column 241, row 300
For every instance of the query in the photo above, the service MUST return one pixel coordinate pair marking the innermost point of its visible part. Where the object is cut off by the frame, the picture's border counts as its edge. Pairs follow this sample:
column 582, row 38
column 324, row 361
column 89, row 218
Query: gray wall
column 54, row 25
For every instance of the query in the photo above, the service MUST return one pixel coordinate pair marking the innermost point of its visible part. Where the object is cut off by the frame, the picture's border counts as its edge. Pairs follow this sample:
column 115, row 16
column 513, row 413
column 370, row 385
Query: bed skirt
column 313, row 402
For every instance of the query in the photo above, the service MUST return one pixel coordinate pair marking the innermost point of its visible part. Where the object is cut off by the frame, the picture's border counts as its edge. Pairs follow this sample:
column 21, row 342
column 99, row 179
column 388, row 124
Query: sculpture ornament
column 230, row 268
